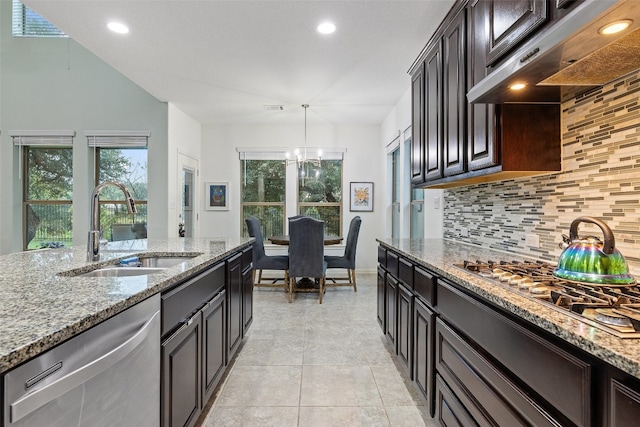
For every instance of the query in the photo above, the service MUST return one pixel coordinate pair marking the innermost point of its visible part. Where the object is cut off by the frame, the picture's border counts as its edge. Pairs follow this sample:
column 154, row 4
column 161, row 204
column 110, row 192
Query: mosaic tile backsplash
column 600, row 178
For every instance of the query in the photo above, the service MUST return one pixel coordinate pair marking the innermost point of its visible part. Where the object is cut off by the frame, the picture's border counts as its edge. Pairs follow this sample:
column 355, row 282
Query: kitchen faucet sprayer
column 93, row 245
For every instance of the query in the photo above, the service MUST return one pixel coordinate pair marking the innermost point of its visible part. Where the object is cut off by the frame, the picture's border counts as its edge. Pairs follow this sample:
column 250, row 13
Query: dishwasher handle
column 34, row 400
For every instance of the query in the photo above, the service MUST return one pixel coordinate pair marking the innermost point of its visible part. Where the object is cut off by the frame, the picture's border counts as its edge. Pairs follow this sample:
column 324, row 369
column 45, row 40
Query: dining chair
column 262, row 261
column 306, row 254
column 348, row 259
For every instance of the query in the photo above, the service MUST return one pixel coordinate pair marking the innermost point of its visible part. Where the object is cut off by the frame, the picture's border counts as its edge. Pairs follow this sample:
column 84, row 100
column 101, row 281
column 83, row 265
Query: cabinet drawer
column 625, row 405
column 449, row 411
column 489, row 396
column 563, row 380
column 180, row 302
column 247, row 258
column 424, row 285
column 382, row 256
column 405, row 272
column 392, row 263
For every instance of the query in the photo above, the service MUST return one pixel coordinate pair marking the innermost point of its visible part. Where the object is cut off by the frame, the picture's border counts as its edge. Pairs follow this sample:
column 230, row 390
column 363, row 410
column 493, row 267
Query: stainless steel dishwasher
column 106, row 376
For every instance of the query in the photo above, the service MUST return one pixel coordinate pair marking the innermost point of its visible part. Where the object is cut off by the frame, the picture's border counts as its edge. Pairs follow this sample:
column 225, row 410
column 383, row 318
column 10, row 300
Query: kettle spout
column 566, row 241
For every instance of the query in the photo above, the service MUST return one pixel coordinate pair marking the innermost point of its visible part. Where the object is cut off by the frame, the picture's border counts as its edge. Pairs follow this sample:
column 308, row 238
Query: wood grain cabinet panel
column 423, row 351
column 417, row 129
column 510, row 22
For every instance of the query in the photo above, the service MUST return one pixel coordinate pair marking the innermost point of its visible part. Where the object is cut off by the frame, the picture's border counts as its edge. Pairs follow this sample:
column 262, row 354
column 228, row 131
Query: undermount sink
column 162, row 261
column 144, row 265
column 116, row 271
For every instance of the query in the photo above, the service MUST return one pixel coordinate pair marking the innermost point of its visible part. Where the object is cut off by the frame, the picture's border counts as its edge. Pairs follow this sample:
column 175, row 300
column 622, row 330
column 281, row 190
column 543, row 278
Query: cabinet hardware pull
column 529, row 55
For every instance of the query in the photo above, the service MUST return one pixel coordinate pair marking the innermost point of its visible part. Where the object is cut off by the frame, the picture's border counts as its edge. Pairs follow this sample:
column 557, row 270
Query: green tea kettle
column 589, row 259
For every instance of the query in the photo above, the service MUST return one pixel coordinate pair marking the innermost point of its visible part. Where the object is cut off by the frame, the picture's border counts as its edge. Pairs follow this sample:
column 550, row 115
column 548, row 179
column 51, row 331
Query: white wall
column 185, row 137
column 56, row 84
column 396, row 129
column 363, row 161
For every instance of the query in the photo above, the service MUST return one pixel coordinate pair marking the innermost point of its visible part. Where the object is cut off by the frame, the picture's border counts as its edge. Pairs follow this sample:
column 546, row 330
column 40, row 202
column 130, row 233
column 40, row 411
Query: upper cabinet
column 510, row 21
column 457, row 143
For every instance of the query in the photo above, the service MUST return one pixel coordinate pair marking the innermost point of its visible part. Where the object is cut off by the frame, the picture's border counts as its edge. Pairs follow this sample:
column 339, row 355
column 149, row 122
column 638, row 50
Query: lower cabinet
column 203, row 322
column 423, row 350
column 214, row 324
column 381, row 316
column 405, row 328
column 234, row 304
column 391, row 296
column 181, row 374
column 449, row 411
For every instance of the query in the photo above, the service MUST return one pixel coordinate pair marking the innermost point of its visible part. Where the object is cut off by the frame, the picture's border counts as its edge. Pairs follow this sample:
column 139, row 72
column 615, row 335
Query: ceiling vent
column 274, row 107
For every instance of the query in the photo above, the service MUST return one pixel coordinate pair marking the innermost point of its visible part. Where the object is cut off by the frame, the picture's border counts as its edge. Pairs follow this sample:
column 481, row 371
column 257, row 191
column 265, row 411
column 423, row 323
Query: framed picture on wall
column 361, row 196
column 216, row 196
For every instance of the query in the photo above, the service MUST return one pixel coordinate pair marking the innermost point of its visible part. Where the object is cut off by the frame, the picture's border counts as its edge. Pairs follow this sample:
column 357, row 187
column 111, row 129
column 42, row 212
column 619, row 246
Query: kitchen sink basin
column 115, row 271
column 162, row 261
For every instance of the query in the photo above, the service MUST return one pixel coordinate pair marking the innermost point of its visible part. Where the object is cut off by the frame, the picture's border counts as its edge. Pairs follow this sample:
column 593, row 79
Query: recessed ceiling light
column 118, row 27
column 326, row 28
column 517, row 86
column 615, row 27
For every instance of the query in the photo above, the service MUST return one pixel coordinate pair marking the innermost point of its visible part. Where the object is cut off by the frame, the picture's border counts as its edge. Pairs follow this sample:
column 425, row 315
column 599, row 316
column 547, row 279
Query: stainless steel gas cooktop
column 611, row 308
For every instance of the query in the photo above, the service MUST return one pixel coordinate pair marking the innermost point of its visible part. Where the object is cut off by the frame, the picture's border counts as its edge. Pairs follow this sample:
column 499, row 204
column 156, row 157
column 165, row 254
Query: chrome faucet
column 93, row 246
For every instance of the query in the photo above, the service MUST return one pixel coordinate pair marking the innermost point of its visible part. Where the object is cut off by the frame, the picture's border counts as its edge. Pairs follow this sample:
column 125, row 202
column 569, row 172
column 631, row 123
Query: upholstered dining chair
column 348, row 259
column 262, row 261
column 306, row 254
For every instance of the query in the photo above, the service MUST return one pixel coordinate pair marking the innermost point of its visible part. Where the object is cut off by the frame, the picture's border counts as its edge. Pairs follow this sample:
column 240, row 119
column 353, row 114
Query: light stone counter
column 438, row 255
column 40, row 308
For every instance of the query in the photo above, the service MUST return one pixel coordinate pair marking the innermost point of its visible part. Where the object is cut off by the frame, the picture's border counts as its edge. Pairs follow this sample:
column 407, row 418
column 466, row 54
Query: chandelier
column 304, row 163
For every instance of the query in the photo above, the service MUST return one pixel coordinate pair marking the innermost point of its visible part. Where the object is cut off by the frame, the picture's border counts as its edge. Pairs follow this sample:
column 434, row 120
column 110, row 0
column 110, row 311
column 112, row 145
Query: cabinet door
column 181, row 375
column 624, row 402
column 417, row 131
column 454, row 95
column 234, row 304
column 247, row 299
column 381, row 300
column 510, row 22
column 482, row 144
column 391, row 305
column 405, row 336
column 213, row 344
column 423, row 351
column 432, row 118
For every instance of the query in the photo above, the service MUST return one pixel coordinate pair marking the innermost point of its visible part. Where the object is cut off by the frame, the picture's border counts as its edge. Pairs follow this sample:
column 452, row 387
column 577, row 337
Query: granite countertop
column 40, row 308
column 438, row 255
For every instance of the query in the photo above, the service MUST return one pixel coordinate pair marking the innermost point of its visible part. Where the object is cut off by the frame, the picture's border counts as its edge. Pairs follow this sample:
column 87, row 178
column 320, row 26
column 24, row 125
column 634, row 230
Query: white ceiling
column 222, row 61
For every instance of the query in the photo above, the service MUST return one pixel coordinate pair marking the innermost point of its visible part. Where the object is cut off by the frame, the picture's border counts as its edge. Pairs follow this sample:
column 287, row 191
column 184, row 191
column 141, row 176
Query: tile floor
column 307, row 364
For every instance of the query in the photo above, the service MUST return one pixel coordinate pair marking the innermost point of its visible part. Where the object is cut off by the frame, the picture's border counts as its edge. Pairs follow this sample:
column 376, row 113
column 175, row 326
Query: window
column 121, row 157
column 27, row 23
column 47, row 176
column 320, row 193
column 263, row 192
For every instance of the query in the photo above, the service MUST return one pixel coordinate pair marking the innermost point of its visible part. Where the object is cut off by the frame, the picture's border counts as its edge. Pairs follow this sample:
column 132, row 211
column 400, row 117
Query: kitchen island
column 40, row 308
column 482, row 353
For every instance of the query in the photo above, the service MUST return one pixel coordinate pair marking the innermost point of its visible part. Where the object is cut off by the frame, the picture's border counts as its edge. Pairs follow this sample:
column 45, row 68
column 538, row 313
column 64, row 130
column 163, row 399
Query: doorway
column 187, row 191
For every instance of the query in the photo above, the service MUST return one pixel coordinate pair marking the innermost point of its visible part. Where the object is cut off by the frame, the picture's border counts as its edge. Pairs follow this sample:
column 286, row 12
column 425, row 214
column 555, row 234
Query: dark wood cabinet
column 381, row 310
column 423, row 351
column 214, row 322
column 432, row 115
column 449, row 411
column 405, row 328
column 454, row 100
column 510, row 22
column 181, row 375
column 473, row 143
column 391, row 299
column 234, row 304
column 247, row 291
column 417, row 130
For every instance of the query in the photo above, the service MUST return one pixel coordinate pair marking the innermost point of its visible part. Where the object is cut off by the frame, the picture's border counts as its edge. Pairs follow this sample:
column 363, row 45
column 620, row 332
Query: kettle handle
column 609, row 240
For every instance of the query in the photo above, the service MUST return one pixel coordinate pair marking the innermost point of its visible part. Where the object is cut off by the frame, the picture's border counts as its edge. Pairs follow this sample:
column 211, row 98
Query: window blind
column 26, row 23
column 48, row 138
column 117, row 139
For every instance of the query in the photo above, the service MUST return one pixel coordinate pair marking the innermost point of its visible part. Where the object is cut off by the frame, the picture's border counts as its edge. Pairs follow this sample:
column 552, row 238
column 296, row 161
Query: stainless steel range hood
column 571, row 56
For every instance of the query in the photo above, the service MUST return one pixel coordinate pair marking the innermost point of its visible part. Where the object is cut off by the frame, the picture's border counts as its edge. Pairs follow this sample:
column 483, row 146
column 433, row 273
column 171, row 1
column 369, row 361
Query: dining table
column 283, row 240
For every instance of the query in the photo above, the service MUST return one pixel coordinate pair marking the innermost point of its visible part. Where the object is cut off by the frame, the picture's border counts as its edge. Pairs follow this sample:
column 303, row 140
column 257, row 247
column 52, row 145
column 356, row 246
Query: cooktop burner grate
column 614, row 309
